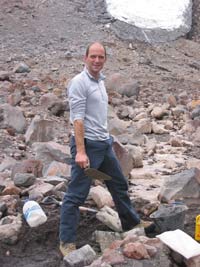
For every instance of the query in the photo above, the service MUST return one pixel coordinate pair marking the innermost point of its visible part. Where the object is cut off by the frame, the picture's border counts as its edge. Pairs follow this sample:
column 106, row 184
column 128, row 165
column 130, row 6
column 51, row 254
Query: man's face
column 95, row 59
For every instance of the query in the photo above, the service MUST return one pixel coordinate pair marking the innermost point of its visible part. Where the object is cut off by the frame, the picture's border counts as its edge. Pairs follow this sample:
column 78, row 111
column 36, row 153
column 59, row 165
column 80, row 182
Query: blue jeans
column 101, row 157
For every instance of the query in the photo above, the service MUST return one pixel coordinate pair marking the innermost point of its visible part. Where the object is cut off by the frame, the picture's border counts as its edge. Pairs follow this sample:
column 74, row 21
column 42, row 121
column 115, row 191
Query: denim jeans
column 102, row 157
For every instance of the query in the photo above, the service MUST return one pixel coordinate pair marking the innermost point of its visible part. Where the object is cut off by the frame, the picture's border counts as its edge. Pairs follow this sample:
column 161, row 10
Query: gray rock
column 59, row 169
column 182, row 185
column 24, row 179
column 80, row 257
column 21, row 68
column 110, row 218
column 137, row 155
column 40, row 130
column 28, row 166
column 12, row 117
column 10, row 227
column 117, row 126
column 51, row 151
column 48, row 100
column 144, row 126
column 105, row 238
column 130, row 89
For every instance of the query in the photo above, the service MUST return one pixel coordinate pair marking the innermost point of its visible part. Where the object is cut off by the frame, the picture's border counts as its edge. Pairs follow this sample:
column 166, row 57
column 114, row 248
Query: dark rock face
column 195, row 32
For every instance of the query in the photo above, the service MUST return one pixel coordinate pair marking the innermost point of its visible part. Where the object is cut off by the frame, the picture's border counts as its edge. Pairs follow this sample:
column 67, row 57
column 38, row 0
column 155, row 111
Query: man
column 91, row 145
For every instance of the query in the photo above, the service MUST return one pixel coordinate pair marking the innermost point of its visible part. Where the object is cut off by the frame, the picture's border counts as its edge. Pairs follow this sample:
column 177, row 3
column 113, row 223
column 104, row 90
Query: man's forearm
column 81, row 157
column 79, row 136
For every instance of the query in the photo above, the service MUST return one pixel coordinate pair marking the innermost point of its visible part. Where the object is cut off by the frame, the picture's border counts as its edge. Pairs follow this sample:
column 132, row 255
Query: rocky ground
column 50, row 37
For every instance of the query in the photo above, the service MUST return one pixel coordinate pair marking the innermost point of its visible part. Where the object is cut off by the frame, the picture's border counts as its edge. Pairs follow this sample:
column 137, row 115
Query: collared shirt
column 88, row 101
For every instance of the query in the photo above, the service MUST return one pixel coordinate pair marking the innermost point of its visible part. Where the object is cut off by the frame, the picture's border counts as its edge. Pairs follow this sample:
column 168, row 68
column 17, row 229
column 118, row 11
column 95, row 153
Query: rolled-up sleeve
column 77, row 99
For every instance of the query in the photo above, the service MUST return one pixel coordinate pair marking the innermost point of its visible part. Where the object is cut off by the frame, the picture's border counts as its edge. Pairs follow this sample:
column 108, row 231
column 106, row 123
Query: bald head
column 96, row 44
column 95, row 57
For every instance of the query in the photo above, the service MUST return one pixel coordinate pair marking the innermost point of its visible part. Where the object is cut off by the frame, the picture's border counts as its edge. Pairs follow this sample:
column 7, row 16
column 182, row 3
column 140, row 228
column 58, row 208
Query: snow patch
column 149, row 14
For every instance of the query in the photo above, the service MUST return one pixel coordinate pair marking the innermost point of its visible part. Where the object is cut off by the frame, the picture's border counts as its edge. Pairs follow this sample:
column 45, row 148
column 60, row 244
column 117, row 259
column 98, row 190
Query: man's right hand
column 82, row 160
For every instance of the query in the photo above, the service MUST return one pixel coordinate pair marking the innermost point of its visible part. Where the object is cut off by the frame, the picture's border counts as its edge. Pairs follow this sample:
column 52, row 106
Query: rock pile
column 152, row 141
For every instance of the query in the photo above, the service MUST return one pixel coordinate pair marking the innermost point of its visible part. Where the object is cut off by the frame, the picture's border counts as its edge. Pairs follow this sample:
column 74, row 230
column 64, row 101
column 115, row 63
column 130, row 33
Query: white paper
column 181, row 242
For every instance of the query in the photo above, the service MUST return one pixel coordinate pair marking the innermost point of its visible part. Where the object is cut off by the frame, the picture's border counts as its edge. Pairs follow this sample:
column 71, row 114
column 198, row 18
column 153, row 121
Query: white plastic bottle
column 33, row 213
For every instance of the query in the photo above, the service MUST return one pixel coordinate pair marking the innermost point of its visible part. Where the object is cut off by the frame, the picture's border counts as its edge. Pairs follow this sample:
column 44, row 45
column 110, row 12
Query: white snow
column 150, row 14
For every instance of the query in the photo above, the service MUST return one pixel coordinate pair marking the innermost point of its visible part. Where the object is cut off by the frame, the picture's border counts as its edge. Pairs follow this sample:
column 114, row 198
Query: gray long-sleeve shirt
column 88, row 101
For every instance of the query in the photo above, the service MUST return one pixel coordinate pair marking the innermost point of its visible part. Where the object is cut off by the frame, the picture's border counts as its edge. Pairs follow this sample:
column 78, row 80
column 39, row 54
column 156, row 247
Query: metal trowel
column 96, row 174
column 93, row 173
